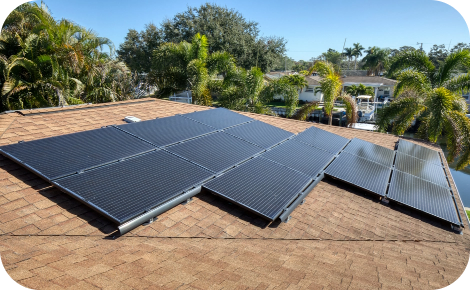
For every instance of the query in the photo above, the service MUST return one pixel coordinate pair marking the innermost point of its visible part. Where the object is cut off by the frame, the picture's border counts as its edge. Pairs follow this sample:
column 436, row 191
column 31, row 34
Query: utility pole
column 342, row 52
column 421, row 45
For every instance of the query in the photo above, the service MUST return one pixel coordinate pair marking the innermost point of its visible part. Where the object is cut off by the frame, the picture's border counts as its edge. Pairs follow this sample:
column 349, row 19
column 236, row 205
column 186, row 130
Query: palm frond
column 450, row 64
column 399, row 114
column 415, row 60
column 412, row 80
column 304, row 111
column 458, row 138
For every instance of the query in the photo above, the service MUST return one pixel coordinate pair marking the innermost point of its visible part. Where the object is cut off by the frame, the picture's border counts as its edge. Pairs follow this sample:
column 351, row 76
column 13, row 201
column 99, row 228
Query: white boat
column 365, row 108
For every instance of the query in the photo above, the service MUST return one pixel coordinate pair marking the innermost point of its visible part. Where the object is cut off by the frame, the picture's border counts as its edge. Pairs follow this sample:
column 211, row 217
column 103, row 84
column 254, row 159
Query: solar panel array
column 127, row 171
column 364, row 173
column 261, row 186
column 128, row 188
column 166, row 131
column 322, row 139
column 218, row 118
column 63, row 155
column 216, row 152
column 260, row 134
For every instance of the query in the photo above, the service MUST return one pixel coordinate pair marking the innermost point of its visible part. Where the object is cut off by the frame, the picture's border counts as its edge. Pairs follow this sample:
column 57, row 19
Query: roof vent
column 131, row 119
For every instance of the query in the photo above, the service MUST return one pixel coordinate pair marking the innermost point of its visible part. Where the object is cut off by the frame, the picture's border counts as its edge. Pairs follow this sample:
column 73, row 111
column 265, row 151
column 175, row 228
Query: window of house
column 387, row 91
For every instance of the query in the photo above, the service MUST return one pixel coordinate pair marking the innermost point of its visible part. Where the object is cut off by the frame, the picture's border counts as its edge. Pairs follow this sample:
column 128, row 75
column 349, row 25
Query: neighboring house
column 340, row 238
column 383, row 87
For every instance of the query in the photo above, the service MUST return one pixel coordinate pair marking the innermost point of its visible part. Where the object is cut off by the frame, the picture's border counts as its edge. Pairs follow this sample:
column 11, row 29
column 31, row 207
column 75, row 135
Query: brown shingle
column 339, row 238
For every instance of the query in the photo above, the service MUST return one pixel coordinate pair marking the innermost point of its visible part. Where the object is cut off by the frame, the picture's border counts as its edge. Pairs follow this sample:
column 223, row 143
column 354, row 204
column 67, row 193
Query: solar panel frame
column 166, row 131
column 418, row 151
column 219, row 118
column 265, row 179
column 370, row 151
column 299, row 156
column 145, row 182
column 423, row 196
column 260, row 134
column 360, row 172
column 225, row 151
column 422, row 169
column 63, row 155
column 322, row 139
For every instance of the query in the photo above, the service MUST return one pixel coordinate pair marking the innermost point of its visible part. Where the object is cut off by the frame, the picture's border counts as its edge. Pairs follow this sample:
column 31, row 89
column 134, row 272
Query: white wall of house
column 307, row 95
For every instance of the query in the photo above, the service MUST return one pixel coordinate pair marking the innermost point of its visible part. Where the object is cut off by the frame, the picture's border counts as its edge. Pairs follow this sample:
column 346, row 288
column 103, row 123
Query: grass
column 468, row 213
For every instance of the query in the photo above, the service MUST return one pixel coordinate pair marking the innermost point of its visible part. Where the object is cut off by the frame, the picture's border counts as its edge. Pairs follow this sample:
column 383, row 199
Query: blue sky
column 310, row 27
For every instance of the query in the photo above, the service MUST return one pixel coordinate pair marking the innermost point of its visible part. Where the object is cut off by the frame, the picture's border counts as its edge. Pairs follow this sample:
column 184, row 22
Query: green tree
column 437, row 54
column 298, row 81
column 361, row 89
column 436, row 100
column 330, row 86
column 226, row 30
column 245, row 90
column 376, row 60
column 189, row 66
column 357, row 51
column 50, row 63
column 349, row 53
column 333, row 56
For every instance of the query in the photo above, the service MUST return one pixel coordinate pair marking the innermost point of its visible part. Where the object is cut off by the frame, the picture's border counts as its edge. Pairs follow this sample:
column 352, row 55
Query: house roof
column 315, row 80
column 369, row 80
column 339, row 238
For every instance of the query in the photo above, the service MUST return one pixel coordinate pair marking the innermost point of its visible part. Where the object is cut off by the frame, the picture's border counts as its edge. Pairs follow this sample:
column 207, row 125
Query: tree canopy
column 436, row 100
column 226, row 30
column 47, row 62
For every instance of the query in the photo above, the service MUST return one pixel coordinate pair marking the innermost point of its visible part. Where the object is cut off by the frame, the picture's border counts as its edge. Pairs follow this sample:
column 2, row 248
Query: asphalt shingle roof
column 340, row 238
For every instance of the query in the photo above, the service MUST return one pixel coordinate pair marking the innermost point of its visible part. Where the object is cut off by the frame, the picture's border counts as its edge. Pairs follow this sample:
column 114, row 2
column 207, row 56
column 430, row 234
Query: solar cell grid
column 128, row 188
column 260, row 134
column 260, row 185
column 216, row 152
column 301, row 157
column 322, row 139
column 219, row 118
column 423, row 196
column 59, row 156
column 421, row 169
column 166, row 131
column 418, row 151
column 360, row 172
column 370, row 151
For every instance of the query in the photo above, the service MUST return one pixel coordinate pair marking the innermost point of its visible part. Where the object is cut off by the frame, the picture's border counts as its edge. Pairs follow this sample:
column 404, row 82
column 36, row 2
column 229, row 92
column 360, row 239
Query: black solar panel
column 128, row 188
column 260, row 185
column 322, row 139
column 219, row 118
column 370, row 151
column 360, row 172
column 301, row 157
column 66, row 154
column 421, row 169
column 216, row 152
column 260, row 133
column 418, row 151
column 166, row 131
column 422, row 195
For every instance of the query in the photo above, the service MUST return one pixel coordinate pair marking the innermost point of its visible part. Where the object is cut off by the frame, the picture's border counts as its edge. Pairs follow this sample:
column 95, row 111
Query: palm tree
column 246, row 90
column 349, row 53
column 189, row 66
column 298, row 81
column 434, row 96
column 361, row 89
column 357, row 51
column 376, row 60
column 330, row 86
column 45, row 62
